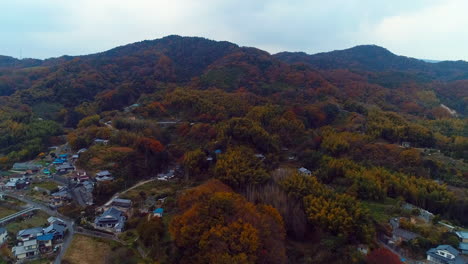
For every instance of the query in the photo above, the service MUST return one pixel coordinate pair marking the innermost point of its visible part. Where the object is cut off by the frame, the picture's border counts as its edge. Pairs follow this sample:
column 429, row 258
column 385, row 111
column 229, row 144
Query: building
column 124, row 203
column 158, row 212
column 26, row 166
column 304, row 171
column 104, row 176
column 29, row 234
column 406, row 144
column 65, row 168
column 399, row 234
column 56, row 229
column 54, row 219
column 58, row 161
column 463, row 236
column 44, row 243
column 423, row 214
column 26, row 249
column 3, row 235
column 101, row 141
column 112, row 219
column 59, row 198
column 445, row 254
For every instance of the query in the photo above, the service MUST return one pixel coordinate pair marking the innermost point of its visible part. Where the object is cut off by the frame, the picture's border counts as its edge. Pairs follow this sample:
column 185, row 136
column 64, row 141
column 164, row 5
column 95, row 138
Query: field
column 154, row 188
column 98, row 251
column 381, row 212
column 38, row 219
column 87, row 250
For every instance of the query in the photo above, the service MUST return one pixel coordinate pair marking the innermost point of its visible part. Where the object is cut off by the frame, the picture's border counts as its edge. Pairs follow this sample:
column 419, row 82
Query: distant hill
column 128, row 71
column 377, row 59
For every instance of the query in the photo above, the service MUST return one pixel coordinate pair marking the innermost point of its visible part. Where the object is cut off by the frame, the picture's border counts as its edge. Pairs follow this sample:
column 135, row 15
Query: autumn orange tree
column 217, row 225
column 382, row 255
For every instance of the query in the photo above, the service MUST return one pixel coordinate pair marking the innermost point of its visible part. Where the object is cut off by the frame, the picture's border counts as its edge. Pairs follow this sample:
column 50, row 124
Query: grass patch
column 38, row 219
column 4, row 212
column 381, row 211
column 48, row 185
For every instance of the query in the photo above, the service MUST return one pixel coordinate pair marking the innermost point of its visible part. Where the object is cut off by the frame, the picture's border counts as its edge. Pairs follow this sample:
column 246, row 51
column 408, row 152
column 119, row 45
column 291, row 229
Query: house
column 26, row 166
column 58, row 161
column 463, row 236
column 260, row 156
column 112, row 219
column 103, row 173
column 400, row 234
column 29, row 234
column 56, row 229
column 124, row 203
column 26, row 249
column 423, row 214
column 364, row 249
column 81, row 151
column 53, row 219
column 75, row 157
column 101, row 141
column 10, row 185
column 3, row 235
column 104, row 176
column 304, row 171
column 59, row 198
column 405, row 144
column 158, row 212
column 65, row 168
column 445, row 254
column 45, row 243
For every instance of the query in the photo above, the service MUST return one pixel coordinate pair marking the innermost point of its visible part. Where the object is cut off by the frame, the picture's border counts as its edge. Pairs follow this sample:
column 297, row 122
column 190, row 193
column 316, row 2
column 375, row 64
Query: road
column 17, row 214
column 124, row 191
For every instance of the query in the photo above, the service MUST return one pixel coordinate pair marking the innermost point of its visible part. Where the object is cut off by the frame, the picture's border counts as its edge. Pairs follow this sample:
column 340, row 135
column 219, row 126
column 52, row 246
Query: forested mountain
column 371, row 127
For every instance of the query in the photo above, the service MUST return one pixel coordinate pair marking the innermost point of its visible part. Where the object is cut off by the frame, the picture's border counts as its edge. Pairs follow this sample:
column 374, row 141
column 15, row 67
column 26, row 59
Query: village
column 34, row 224
column 38, row 224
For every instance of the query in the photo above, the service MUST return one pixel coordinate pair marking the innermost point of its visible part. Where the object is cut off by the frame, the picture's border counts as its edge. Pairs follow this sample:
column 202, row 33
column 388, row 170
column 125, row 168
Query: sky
column 425, row 29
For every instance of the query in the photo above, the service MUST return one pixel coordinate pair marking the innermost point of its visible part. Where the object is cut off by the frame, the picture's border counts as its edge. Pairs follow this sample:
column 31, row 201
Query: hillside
column 370, row 131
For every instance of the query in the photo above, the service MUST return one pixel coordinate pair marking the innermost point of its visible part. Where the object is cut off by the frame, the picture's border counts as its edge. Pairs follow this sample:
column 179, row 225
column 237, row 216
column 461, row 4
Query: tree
column 219, row 226
column 239, row 167
column 195, row 163
column 382, row 255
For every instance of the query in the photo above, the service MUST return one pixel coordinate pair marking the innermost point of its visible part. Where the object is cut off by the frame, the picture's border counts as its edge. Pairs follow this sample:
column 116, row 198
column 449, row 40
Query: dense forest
column 369, row 125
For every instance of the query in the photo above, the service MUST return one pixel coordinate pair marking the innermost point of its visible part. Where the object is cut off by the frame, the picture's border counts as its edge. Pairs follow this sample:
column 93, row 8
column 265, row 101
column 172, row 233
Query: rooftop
column 30, row 231
column 462, row 234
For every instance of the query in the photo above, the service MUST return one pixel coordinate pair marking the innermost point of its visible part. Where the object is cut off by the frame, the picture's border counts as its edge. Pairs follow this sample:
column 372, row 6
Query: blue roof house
column 158, row 212
column 463, row 236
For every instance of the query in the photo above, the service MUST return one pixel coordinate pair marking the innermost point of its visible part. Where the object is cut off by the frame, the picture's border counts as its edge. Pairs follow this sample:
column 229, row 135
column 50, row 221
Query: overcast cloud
column 430, row 29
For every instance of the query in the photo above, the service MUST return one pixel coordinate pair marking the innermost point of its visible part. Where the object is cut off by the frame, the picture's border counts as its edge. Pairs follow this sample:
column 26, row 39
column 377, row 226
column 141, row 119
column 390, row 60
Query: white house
column 25, row 249
column 304, row 171
column 3, row 235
